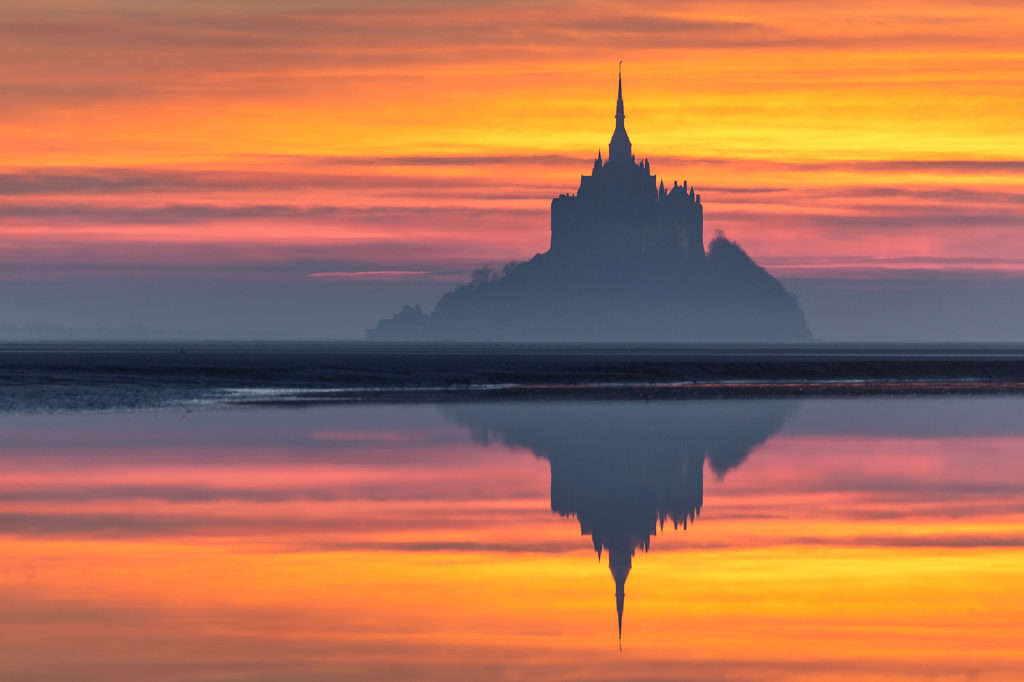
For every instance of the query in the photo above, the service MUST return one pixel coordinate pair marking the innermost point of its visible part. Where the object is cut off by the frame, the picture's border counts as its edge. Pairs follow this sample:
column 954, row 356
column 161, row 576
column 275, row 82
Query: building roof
column 620, row 148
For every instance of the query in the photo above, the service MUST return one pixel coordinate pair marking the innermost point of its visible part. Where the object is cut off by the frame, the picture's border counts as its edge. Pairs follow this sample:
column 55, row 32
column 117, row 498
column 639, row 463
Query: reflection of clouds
column 356, row 470
column 938, row 541
column 377, row 524
column 357, row 437
column 426, row 577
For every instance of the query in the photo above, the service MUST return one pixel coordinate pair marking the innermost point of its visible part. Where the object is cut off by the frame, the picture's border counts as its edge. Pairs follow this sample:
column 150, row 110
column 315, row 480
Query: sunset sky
column 166, row 164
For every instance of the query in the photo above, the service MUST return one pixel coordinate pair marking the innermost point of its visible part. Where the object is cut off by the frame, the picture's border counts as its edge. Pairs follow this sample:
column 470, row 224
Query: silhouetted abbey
column 620, row 212
column 623, row 468
column 626, row 263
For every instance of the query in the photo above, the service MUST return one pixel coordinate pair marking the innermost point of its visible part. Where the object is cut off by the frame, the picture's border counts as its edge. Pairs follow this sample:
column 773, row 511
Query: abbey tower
column 626, row 263
column 619, row 211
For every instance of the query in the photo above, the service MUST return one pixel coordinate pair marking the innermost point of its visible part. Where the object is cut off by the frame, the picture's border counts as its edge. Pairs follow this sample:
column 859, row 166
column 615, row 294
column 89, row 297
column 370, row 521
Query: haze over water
column 870, row 538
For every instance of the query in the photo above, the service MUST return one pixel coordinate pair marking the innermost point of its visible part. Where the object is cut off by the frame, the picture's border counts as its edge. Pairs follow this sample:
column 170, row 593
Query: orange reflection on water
column 819, row 551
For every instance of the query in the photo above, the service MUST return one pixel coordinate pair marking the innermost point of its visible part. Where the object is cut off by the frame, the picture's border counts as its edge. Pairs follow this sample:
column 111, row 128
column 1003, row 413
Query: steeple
column 620, row 148
column 620, row 112
column 620, row 562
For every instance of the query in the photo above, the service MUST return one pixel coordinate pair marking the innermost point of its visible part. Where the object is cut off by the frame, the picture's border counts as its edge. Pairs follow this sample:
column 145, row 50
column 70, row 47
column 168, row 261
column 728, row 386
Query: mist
column 924, row 308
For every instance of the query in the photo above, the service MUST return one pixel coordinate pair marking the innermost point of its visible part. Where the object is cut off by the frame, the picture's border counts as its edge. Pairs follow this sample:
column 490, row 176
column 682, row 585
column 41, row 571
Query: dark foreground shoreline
column 89, row 376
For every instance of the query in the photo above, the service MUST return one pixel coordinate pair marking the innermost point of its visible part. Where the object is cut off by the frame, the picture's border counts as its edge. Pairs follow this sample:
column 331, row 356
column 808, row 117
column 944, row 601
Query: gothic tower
column 619, row 215
column 620, row 149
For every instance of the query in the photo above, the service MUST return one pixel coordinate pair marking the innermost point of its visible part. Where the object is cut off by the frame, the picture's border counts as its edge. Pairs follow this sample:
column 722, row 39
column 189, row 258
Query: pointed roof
column 620, row 148
column 619, row 561
column 620, row 112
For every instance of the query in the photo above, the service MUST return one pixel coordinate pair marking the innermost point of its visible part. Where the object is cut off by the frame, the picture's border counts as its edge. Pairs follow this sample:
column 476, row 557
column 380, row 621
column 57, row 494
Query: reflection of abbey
column 622, row 469
column 621, row 210
column 621, row 502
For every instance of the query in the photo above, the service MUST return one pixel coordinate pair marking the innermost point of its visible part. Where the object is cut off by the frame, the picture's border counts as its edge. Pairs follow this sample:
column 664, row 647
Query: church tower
column 619, row 218
column 620, row 149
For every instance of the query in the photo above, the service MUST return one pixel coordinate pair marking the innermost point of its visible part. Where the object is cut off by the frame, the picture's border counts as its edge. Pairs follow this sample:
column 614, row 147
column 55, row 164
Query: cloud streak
column 283, row 140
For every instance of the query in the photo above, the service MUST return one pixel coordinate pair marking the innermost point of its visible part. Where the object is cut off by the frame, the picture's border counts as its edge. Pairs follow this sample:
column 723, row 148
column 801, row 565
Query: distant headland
column 626, row 263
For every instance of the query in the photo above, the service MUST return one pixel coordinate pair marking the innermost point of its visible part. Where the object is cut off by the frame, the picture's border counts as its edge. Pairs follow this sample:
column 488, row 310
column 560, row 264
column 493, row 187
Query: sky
column 297, row 169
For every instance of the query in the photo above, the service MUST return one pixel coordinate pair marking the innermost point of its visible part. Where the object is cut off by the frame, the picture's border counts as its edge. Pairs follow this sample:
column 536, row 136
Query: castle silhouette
column 622, row 469
column 619, row 211
column 626, row 263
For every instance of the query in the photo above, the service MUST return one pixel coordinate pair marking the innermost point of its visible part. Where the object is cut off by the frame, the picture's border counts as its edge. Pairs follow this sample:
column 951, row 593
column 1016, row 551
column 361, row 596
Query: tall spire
column 620, row 111
column 620, row 561
column 620, row 148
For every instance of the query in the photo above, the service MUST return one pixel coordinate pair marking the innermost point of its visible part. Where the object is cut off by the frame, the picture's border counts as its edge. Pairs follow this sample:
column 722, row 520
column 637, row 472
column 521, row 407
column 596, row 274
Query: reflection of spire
column 623, row 469
column 620, row 562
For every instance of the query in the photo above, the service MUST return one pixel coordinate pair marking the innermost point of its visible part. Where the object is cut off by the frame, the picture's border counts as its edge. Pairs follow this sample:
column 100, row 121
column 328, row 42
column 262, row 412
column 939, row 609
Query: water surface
column 869, row 538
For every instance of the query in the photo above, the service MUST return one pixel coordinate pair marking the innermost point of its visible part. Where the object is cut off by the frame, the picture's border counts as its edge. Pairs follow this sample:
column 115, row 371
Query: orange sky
column 423, row 138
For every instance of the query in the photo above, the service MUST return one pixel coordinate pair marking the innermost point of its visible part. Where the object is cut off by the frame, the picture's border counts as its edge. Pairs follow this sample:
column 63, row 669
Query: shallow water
column 866, row 538
column 50, row 377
